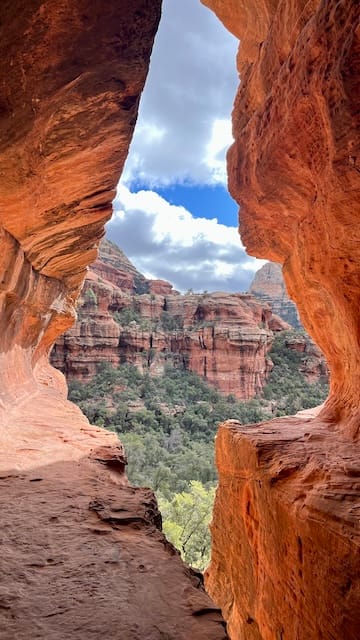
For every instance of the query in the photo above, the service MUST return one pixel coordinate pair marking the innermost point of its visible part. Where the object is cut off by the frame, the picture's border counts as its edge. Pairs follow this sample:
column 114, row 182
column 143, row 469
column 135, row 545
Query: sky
column 173, row 216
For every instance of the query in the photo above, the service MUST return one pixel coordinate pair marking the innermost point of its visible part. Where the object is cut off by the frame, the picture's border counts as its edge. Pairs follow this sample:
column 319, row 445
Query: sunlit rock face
column 82, row 553
column 293, row 502
column 294, row 167
column 65, row 127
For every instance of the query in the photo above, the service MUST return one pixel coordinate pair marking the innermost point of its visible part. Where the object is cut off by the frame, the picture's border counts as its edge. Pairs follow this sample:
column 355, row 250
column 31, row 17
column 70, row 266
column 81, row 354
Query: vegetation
column 90, row 296
column 169, row 322
column 128, row 315
column 166, row 322
column 141, row 285
column 287, row 388
column 186, row 522
column 168, row 424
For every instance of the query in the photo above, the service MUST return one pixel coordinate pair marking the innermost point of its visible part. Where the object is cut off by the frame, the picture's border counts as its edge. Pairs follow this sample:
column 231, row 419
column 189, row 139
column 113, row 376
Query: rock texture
column 72, row 76
column 82, row 554
column 268, row 286
column 223, row 337
column 294, row 167
column 313, row 366
column 288, row 491
column 115, row 267
column 285, row 560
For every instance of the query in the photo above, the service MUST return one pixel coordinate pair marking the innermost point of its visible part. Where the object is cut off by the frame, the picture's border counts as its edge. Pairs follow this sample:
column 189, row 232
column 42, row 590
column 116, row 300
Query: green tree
column 186, row 519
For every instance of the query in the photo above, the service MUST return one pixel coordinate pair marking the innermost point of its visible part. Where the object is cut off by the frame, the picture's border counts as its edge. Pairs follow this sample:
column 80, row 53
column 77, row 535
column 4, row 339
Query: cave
column 82, row 551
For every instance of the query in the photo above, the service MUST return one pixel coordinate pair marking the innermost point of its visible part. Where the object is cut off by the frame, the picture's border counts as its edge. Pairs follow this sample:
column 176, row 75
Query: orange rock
column 161, row 287
column 68, row 109
column 82, row 554
column 294, row 168
column 285, row 529
column 285, row 561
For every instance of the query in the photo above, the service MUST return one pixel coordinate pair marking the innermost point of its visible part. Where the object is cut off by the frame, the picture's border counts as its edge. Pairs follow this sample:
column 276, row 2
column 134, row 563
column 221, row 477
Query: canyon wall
column 82, row 552
column 285, row 560
column 225, row 338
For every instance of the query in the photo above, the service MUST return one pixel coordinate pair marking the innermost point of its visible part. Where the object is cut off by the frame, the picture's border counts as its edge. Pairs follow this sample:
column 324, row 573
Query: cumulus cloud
column 165, row 241
column 182, row 134
column 183, row 128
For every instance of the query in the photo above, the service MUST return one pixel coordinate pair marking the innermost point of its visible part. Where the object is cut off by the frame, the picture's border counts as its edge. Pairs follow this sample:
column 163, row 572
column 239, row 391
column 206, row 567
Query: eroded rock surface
column 72, row 77
column 285, row 559
column 288, row 491
column 294, row 167
column 82, row 555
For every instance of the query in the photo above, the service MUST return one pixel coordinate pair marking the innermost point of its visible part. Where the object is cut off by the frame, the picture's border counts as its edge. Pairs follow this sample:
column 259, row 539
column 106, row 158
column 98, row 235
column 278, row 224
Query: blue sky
column 208, row 201
column 173, row 216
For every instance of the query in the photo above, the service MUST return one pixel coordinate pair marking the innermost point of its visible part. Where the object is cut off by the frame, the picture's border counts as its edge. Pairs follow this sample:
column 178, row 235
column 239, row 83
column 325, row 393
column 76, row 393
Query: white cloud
column 182, row 134
column 221, row 139
column 165, row 241
column 184, row 126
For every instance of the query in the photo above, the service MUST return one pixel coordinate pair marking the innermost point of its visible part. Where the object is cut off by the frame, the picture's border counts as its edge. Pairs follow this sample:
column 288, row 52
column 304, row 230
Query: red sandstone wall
column 285, row 561
column 294, row 167
column 82, row 554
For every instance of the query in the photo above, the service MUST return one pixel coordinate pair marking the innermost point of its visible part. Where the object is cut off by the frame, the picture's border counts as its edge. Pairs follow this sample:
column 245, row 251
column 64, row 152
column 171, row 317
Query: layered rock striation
column 288, row 497
column 225, row 338
column 82, row 552
column 294, row 167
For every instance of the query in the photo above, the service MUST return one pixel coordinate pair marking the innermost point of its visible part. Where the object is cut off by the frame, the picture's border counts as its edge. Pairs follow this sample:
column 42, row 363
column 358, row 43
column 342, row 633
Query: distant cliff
column 123, row 317
column 268, row 286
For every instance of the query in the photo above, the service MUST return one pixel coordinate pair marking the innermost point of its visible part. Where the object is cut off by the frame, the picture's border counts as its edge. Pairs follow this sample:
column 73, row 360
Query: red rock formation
column 161, row 287
column 294, row 167
column 285, row 559
column 288, row 497
column 113, row 265
column 51, row 108
column 268, row 285
column 223, row 337
column 81, row 553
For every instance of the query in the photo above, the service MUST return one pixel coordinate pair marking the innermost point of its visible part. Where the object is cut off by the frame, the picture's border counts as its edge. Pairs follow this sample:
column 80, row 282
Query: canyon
column 225, row 338
column 82, row 551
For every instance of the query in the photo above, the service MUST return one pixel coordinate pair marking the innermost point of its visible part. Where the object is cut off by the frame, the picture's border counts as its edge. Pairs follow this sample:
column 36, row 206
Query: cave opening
column 82, row 551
